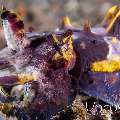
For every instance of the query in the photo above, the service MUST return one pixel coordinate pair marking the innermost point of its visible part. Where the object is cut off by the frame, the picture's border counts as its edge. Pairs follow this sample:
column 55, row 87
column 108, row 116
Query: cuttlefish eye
column 20, row 24
column 5, row 14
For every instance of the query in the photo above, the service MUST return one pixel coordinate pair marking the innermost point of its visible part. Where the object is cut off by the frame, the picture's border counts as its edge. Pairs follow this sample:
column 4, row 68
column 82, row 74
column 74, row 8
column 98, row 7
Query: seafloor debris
column 79, row 109
column 40, row 74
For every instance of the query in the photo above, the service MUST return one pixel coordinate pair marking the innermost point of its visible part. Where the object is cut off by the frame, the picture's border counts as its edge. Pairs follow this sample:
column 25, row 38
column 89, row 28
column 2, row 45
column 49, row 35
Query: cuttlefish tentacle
column 111, row 13
column 14, row 30
column 66, row 23
column 113, row 22
column 111, row 19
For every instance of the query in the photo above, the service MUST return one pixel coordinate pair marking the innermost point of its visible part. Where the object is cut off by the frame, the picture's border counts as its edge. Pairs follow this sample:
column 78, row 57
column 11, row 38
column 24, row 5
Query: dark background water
column 46, row 15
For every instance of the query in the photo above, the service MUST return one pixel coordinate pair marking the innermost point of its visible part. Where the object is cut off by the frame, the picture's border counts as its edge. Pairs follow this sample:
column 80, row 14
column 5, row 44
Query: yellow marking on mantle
column 24, row 77
column 106, row 66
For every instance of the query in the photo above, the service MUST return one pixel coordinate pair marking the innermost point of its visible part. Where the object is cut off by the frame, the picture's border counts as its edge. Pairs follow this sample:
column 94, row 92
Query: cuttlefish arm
column 111, row 21
column 109, row 26
column 14, row 33
column 67, row 24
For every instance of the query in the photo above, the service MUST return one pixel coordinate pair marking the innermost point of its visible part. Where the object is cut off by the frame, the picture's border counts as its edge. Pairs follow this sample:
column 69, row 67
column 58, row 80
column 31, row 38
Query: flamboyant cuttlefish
column 41, row 73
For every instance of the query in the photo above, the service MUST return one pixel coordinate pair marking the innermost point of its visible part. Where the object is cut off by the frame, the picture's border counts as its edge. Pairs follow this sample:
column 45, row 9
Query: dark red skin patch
column 20, row 24
column 14, row 27
column 12, row 17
